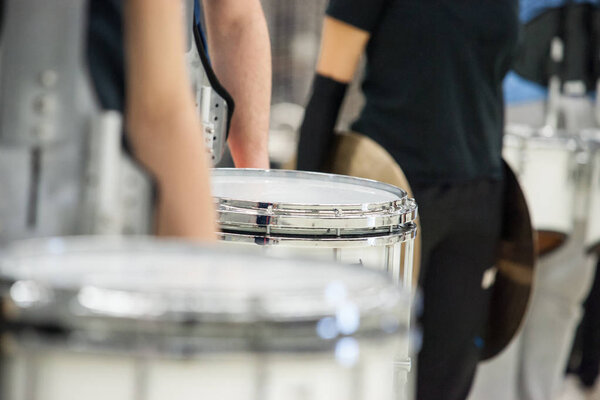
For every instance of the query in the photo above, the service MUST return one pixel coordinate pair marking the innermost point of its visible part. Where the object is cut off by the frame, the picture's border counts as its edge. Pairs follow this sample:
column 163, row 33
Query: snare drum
column 131, row 319
column 546, row 169
column 322, row 216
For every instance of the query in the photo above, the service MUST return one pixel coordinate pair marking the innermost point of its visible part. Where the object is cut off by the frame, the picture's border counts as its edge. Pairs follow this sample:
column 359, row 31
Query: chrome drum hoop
column 322, row 226
column 314, row 219
column 406, row 234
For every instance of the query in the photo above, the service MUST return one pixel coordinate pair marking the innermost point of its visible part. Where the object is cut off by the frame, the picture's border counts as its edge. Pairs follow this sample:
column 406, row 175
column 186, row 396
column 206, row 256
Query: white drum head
column 298, row 189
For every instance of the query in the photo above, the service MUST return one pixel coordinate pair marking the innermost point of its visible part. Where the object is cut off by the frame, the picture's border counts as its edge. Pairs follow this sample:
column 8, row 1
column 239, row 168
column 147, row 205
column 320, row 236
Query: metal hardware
column 408, row 233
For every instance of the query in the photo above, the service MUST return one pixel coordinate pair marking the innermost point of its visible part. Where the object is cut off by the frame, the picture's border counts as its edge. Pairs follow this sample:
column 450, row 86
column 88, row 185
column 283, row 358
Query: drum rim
column 328, row 225
column 406, row 234
column 286, row 209
column 337, row 220
column 63, row 308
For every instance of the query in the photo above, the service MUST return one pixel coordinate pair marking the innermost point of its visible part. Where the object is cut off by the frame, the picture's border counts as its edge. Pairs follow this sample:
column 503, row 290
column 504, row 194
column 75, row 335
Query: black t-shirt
column 433, row 82
column 105, row 52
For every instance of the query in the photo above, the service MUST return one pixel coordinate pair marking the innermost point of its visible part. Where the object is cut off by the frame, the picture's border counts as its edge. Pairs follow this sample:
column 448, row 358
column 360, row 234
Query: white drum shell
column 393, row 253
column 75, row 374
column 545, row 168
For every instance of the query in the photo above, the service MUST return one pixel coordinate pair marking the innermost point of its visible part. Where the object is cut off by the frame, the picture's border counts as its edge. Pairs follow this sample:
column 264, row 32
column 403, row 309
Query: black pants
column 587, row 345
column 461, row 225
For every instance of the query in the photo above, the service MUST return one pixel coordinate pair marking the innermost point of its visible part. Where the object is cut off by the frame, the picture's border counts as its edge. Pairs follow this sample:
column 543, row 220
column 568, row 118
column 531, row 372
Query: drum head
column 176, row 287
column 300, row 188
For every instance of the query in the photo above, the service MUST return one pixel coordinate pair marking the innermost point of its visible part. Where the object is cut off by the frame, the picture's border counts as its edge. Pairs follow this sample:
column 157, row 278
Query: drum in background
column 130, row 319
column 286, row 119
column 591, row 139
column 315, row 215
column 546, row 168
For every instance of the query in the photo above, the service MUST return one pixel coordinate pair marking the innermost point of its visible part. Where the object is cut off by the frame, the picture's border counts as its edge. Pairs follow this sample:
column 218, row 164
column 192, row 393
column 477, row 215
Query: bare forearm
column 241, row 55
column 185, row 207
column 156, row 72
column 161, row 119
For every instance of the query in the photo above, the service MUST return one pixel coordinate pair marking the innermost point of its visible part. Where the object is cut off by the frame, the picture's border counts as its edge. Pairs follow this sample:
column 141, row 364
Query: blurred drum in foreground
column 321, row 216
column 547, row 168
column 146, row 319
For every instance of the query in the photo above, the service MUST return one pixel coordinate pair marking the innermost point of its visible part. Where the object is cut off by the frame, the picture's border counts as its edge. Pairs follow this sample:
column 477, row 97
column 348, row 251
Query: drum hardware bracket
column 405, row 364
column 214, row 105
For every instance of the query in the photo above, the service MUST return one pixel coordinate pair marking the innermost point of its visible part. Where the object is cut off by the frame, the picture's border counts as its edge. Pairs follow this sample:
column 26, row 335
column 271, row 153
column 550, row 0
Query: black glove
column 316, row 132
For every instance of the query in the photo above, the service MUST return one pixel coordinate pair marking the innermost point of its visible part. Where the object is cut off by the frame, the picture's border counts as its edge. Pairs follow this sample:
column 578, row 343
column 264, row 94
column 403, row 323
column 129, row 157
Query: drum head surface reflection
column 171, row 282
column 298, row 188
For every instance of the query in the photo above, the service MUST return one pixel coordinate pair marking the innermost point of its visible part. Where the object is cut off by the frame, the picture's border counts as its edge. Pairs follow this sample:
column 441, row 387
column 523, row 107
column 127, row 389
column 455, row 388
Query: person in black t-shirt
column 433, row 99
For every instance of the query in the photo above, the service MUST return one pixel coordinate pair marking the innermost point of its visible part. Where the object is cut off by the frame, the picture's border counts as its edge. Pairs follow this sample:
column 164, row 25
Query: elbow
column 233, row 18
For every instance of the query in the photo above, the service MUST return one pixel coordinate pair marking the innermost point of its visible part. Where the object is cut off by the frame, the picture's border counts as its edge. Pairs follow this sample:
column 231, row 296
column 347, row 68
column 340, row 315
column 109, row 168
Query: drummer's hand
column 238, row 42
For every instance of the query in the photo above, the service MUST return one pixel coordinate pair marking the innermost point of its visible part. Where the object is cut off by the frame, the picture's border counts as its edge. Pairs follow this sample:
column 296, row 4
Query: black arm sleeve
column 316, row 132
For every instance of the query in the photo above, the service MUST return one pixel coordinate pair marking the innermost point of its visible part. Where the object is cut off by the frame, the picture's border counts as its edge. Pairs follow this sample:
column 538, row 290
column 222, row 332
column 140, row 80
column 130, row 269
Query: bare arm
column 341, row 48
column 161, row 118
column 241, row 55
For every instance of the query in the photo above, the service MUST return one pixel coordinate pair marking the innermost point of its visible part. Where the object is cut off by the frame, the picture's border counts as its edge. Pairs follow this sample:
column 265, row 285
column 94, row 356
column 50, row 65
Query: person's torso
column 433, row 86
